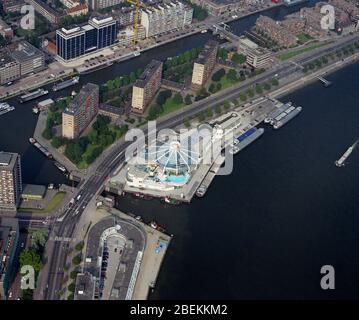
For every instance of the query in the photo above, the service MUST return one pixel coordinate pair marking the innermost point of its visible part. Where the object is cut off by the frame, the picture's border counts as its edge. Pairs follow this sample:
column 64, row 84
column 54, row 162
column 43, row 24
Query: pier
column 324, row 81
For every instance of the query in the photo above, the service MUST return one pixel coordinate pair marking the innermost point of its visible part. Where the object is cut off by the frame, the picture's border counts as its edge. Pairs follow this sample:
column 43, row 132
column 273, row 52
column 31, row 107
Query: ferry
column 33, row 95
column 287, row 117
column 341, row 162
column 66, row 83
column 5, row 108
column 277, row 112
column 246, row 139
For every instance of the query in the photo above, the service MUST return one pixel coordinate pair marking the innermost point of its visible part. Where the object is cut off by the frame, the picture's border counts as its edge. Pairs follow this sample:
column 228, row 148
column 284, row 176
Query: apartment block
column 100, row 4
column 10, row 181
column 276, row 31
column 166, row 17
column 9, row 68
column 77, row 10
column 126, row 36
column 9, row 236
column 205, row 63
column 46, row 11
column 81, row 112
column 219, row 7
column 257, row 57
column 146, row 87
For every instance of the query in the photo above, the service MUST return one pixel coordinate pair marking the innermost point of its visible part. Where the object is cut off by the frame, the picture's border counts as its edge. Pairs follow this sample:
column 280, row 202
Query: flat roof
column 147, row 74
column 5, row 158
column 33, row 190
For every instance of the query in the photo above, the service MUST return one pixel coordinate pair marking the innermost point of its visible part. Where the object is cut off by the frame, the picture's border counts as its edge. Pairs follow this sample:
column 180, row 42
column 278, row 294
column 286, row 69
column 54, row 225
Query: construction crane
column 138, row 5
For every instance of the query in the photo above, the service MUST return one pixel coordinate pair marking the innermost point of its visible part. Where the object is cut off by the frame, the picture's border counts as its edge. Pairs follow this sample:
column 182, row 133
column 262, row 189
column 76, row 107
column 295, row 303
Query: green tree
column 188, row 99
column 178, row 99
column 57, row 142
column 218, row 109
column 232, row 75
column 239, row 58
column 217, row 76
column 39, row 238
column 76, row 260
column 32, row 258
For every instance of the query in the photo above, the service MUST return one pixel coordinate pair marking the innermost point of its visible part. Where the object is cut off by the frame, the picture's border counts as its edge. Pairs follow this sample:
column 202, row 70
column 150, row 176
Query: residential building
column 12, row 5
column 30, row 58
column 46, row 11
column 78, row 10
column 205, row 63
column 276, row 31
column 100, row 4
column 81, row 111
column 10, row 181
column 70, row 3
column 166, row 17
column 257, row 57
column 9, row 68
column 9, row 235
column 125, row 16
column 219, row 7
column 127, row 35
column 97, row 34
column 146, row 87
column 5, row 30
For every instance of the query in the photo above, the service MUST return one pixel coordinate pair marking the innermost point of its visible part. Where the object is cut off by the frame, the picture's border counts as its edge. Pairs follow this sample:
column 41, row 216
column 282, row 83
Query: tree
column 73, row 274
column 163, row 96
column 32, row 258
column 178, row 99
column 47, row 134
column 71, row 287
column 57, row 142
column 217, row 76
column 259, row 89
column 132, row 77
column 39, row 238
column 275, row 82
column 79, row 246
column 242, row 96
column 199, row 13
column 232, row 75
column 212, row 88
column 218, row 109
column 76, row 260
column 209, row 113
column 188, row 99
column 226, row 105
column 239, row 58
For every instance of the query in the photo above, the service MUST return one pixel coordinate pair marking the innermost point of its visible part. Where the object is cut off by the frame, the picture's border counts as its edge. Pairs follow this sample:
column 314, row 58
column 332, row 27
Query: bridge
column 224, row 31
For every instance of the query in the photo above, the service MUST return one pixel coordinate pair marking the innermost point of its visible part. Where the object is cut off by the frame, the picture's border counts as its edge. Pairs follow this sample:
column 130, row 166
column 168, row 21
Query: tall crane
column 138, row 5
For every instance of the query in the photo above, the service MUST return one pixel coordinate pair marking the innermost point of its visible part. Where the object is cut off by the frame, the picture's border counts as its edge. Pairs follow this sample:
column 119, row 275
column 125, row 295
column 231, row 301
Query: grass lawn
column 303, row 37
column 291, row 54
column 50, row 206
column 226, row 83
column 170, row 106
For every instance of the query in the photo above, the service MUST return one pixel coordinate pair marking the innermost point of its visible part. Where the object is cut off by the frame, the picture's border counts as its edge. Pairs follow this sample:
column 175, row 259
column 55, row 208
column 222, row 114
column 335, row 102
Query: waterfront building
column 101, row 4
column 127, row 35
column 276, row 31
column 33, row 192
column 257, row 57
column 146, row 87
column 125, row 16
column 30, row 58
column 81, row 111
column 77, row 10
column 205, row 63
column 166, row 17
column 97, row 34
column 10, row 181
column 46, row 11
column 9, row 235
column 12, row 6
column 219, row 7
column 9, row 68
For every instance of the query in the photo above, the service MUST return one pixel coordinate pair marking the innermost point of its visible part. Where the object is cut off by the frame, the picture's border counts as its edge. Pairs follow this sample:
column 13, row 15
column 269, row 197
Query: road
column 95, row 180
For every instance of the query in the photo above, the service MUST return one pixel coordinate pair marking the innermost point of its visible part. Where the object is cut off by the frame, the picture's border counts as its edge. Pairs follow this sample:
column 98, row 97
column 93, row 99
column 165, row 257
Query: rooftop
column 23, row 51
column 7, row 160
column 8, row 231
column 81, row 97
column 207, row 51
column 34, row 190
column 151, row 68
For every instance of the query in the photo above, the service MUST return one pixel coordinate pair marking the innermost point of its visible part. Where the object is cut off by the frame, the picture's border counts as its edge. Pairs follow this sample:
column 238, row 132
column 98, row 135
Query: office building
column 100, row 4
column 9, row 68
column 146, row 87
column 257, row 57
column 97, row 34
column 10, row 181
column 81, row 111
column 166, row 17
column 9, row 235
column 205, row 63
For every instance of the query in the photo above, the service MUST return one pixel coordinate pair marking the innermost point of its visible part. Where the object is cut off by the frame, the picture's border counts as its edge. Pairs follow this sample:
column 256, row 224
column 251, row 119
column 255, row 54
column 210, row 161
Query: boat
column 204, row 31
column 277, row 112
column 35, row 110
column 96, row 68
column 33, row 95
column 154, row 225
column 341, row 162
column 5, row 108
column 60, row 167
column 288, row 117
column 247, row 138
column 66, row 83
column 171, row 201
column 137, row 53
column 201, row 191
column 32, row 140
column 41, row 148
column 234, row 150
column 289, row 3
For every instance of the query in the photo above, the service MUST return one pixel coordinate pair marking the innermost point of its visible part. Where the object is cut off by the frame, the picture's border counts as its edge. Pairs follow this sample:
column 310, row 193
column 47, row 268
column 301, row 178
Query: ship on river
column 33, row 95
column 66, row 83
column 341, row 162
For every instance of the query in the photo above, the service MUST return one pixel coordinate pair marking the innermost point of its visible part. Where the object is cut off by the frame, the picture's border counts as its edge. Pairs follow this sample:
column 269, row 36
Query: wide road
column 94, row 182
